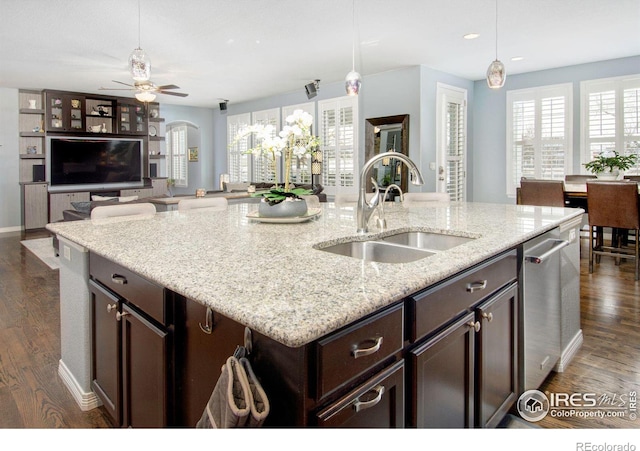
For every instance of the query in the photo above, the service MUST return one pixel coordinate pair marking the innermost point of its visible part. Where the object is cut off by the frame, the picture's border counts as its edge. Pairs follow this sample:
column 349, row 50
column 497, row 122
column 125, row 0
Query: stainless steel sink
column 377, row 251
column 427, row 240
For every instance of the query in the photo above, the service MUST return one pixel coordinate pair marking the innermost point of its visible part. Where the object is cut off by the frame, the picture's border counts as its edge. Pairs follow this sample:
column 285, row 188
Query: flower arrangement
column 294, row 140
column 611, row 161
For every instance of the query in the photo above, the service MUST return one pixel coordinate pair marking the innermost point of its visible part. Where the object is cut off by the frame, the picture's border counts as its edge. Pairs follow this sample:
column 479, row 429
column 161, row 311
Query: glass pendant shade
column 352, row 83
column 496, row 75
column 139, row 65
column 145, row 96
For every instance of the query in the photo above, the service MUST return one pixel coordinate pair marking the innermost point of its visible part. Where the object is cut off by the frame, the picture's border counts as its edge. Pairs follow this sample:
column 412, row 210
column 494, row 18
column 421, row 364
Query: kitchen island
column 274, row 280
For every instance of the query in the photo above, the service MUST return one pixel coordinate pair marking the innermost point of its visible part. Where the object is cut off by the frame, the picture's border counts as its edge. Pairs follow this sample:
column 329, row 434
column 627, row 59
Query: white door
column 451, row 141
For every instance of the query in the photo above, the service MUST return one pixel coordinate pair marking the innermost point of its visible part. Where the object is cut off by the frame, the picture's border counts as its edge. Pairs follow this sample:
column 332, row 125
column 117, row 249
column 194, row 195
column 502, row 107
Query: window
column 338, row 133
column 611, row 117
column 301, row 168
column 539, row 134
column 237, row 159
column 177, row 144
column 452, row 141
column 263, row 167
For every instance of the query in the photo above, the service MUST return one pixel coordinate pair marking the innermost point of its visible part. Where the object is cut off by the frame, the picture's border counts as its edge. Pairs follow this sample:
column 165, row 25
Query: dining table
column 575, row 194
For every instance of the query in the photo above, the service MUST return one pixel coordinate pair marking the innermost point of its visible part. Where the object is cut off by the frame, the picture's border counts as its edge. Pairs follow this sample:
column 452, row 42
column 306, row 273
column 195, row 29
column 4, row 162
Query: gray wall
column 201, row 173
column 9, row 162
column 489, row 116
column 409, row 90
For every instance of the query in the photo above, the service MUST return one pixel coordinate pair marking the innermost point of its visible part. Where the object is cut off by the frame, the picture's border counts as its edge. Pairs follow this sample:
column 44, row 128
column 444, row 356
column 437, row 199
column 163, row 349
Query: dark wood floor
column 33, row 396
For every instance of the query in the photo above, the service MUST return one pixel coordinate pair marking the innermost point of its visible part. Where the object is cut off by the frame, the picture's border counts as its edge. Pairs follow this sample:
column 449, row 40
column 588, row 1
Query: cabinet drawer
column 436, row 306
column 348, row 353
column 144, row 294
column 378, row 403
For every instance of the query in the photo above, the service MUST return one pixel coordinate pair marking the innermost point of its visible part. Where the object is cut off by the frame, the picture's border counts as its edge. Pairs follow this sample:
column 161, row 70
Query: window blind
column 263, row 168
column 301, row 167
column 455, row 150
column 338, row 135
column 237, row 159
column 177, row 145
column 610, row 117
column 539, row 134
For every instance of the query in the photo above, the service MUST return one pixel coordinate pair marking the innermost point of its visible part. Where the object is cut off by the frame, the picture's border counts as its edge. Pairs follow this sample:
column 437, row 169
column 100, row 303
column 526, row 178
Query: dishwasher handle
column 538, row 259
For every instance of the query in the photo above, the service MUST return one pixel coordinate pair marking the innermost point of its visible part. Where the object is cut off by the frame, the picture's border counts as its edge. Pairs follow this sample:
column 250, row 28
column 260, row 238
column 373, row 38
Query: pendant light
column 496, row 74
column 353, row 80
column 139, row 62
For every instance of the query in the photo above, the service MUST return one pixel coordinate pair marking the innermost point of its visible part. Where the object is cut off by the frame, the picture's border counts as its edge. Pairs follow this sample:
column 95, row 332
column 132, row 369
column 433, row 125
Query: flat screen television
column 94, row 163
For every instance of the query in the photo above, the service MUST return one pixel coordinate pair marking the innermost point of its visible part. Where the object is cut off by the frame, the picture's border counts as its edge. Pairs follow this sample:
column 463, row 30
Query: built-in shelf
column 32, row 156
column 32, row 134
column 156, row 157
column 31, row 111
column 156, row 119
column 156, row 138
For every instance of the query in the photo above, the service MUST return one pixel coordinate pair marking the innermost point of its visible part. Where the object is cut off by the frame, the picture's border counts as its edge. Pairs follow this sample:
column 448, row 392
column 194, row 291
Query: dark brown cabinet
column 132, row 118
column 64, row 112
column 465, row 372
column 131, row 342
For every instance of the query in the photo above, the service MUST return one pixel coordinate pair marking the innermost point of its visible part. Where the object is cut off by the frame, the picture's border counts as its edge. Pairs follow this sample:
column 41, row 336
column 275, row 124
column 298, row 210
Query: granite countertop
column 270, row 278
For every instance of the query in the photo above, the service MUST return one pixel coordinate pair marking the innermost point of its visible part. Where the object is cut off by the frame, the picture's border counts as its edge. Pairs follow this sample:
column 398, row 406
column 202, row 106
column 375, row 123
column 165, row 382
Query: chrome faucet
column 382, row 222
column 366, row 209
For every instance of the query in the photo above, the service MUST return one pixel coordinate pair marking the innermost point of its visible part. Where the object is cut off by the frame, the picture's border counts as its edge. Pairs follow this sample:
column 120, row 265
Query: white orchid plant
column 294, row 140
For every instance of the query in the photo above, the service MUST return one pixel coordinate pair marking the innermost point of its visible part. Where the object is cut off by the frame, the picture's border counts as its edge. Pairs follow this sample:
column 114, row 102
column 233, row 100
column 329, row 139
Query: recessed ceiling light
column 470, row 36
column 517, row 58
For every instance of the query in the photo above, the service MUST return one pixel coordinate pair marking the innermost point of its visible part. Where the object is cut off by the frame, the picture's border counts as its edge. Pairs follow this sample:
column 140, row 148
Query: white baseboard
column 10, row 229
column 569, row 352
column 86, row 400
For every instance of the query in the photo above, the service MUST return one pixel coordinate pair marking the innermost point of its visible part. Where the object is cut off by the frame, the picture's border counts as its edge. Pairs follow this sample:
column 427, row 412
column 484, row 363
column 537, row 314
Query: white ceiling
column 247, row 49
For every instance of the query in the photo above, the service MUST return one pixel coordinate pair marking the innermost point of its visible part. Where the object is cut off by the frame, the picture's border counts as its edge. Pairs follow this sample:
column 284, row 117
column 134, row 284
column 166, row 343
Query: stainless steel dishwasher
column 541, row 297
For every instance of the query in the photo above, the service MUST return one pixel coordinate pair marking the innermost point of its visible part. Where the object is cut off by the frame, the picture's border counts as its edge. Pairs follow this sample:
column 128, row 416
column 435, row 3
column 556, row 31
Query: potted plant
column 609, row 163
column 295, row 140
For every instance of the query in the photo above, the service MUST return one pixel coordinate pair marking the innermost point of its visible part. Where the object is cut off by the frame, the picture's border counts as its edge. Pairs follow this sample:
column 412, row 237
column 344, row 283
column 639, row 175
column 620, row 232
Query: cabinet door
column 497, row 356
column 144, row 375
column 35, row 206
column 65, row 112
column 378, row 403
column 140, row 192
column 442, row 394
column 132, row 119
column 159, row 187
column 59, row 202
column 106, row 359
column 200, row 333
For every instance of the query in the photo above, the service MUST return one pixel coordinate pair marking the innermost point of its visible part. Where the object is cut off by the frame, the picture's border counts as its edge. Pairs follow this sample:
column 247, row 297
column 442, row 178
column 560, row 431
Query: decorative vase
column 608, row 175
column 284, row 209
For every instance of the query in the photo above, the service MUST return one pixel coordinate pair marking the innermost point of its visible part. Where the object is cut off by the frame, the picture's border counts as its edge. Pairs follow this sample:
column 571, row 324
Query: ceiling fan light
column 145, row 96
column 139, row 65
column 352, row 83
column 496, row 75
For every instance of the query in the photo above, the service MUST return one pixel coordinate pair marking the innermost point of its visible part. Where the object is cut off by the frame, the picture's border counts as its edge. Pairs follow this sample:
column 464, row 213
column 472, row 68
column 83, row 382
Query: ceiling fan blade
column 160, row 88
column 102, row 88
column 122, row 83
column 179, row 94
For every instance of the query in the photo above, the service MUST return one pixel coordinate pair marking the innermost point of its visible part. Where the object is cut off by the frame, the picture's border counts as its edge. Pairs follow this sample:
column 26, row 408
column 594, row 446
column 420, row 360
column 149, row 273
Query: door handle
column 538, row 259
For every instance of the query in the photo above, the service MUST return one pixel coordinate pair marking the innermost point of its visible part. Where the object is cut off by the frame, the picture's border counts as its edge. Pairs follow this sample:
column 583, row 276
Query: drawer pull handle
column 117, row 278
column 111, row 307
column 208, row 324
column 487, row 316
column 475, row 325
column 362, row 405
column 476, row 286
column 357, row 352
column 119, row 315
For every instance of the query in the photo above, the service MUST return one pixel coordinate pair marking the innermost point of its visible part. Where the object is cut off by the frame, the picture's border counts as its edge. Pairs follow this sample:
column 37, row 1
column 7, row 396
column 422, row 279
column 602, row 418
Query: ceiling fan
column 146, row 90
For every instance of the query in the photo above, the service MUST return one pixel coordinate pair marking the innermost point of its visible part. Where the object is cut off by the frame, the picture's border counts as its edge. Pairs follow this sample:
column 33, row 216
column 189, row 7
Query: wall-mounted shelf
column 156, row 157
column 31, row 111
column 32, row 156
column 31, row 135
column 156, row 138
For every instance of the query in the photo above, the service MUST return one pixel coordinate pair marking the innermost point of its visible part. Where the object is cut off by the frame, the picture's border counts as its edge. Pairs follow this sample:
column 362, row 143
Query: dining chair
column 213, row 203
column 417, row 198
column 615, row 205
column 109, row 211
column 539, row 192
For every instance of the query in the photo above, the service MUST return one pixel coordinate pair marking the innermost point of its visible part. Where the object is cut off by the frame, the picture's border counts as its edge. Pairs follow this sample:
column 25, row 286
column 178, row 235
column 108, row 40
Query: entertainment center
column 75, row 145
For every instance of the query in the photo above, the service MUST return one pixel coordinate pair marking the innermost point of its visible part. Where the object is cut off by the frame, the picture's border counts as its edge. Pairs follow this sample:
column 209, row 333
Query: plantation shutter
column 301, row 167
column 611, row 117
column 237, row 159
column 177, row 145
column 338, row 137
column 456, row 142
column 539, row 134
column 263, row 168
